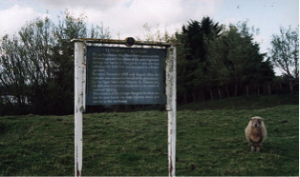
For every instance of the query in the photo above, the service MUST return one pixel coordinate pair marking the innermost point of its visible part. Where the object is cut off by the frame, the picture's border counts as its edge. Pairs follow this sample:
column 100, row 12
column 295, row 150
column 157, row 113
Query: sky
column 126, row 18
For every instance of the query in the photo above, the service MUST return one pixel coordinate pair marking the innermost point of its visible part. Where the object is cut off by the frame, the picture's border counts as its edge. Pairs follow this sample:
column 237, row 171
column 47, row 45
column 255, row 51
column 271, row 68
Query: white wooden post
column 79, row 70
column 84, row 77
column 171, row 106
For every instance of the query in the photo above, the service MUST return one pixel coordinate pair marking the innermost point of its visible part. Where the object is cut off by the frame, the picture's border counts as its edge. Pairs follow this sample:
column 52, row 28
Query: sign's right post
column 171, row 106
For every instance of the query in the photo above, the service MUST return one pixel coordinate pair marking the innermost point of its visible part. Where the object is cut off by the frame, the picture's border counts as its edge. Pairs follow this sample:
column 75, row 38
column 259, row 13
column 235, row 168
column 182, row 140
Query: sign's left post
column 79, row 97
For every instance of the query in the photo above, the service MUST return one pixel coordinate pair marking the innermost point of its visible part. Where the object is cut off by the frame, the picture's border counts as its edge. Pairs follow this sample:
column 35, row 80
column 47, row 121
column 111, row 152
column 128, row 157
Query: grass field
column 210, row 141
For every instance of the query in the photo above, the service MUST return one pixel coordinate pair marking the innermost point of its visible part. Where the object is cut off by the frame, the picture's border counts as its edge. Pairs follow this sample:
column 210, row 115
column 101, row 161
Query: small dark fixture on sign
column 129, row 41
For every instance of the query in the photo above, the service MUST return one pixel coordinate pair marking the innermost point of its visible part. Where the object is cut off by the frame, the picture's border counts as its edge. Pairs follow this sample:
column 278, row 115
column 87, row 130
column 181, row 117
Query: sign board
column 118, row 76
column 124, row 76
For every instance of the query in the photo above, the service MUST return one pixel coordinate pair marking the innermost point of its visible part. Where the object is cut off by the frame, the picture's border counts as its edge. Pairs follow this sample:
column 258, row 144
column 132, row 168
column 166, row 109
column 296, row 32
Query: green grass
column 210, row 141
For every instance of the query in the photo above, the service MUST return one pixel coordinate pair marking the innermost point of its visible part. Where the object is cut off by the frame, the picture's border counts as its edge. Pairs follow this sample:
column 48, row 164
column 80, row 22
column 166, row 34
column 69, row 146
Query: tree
column 235, row 58
column 194, row 52
column 36, row 39
column 13, row 74
column 61, row 84
column 157, row 35
column 218, row 73
column 285, row 53
column 38, row 64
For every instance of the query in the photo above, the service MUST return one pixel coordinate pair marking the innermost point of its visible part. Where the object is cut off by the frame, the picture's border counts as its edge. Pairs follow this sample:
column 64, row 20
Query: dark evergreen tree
column 193, row 52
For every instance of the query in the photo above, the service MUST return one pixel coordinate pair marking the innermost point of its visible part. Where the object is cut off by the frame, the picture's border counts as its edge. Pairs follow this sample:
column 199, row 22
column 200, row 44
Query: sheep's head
column 256, row 121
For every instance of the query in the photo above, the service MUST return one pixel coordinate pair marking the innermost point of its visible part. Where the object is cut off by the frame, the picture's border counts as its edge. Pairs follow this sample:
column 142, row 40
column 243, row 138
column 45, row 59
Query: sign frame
column 80, row 90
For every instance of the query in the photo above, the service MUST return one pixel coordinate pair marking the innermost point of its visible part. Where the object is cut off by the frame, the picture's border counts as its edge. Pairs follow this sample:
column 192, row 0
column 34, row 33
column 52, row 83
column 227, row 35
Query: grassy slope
column 210, row 141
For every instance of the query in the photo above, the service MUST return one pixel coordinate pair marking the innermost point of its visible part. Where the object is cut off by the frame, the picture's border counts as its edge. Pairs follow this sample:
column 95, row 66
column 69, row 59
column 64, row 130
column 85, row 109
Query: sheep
column 256, row 132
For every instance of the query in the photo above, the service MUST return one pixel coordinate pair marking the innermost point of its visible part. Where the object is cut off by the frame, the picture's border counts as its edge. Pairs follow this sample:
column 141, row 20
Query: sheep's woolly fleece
column 256, row 133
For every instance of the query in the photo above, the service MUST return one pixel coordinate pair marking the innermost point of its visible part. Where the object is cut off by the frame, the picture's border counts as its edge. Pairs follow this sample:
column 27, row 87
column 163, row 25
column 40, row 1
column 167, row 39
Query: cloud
column 231, row 21
column 124, row 17
column 128, row 17
column 14, row 18
column 263, row 42
column 101, row 5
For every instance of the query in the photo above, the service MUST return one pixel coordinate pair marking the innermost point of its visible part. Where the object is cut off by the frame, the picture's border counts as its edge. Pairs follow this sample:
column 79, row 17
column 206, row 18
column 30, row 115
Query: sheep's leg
column 249, row 141
column 258, row 146
column 252, row 148
column 252, row 145
column 257, row 149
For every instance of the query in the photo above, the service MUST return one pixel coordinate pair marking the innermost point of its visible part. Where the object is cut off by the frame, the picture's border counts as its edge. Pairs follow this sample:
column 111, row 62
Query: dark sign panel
column 117, row 76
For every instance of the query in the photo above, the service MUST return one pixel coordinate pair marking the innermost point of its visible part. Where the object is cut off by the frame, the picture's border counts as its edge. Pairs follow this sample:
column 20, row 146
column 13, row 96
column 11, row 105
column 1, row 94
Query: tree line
column 37, row 65
column 214, row 62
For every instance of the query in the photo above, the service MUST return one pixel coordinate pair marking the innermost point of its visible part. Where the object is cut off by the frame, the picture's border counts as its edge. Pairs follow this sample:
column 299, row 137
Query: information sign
column 118, row 76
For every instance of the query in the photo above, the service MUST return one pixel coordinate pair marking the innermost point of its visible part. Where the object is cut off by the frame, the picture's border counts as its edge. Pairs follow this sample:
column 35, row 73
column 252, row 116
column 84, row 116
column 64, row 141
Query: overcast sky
column 127, row 17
